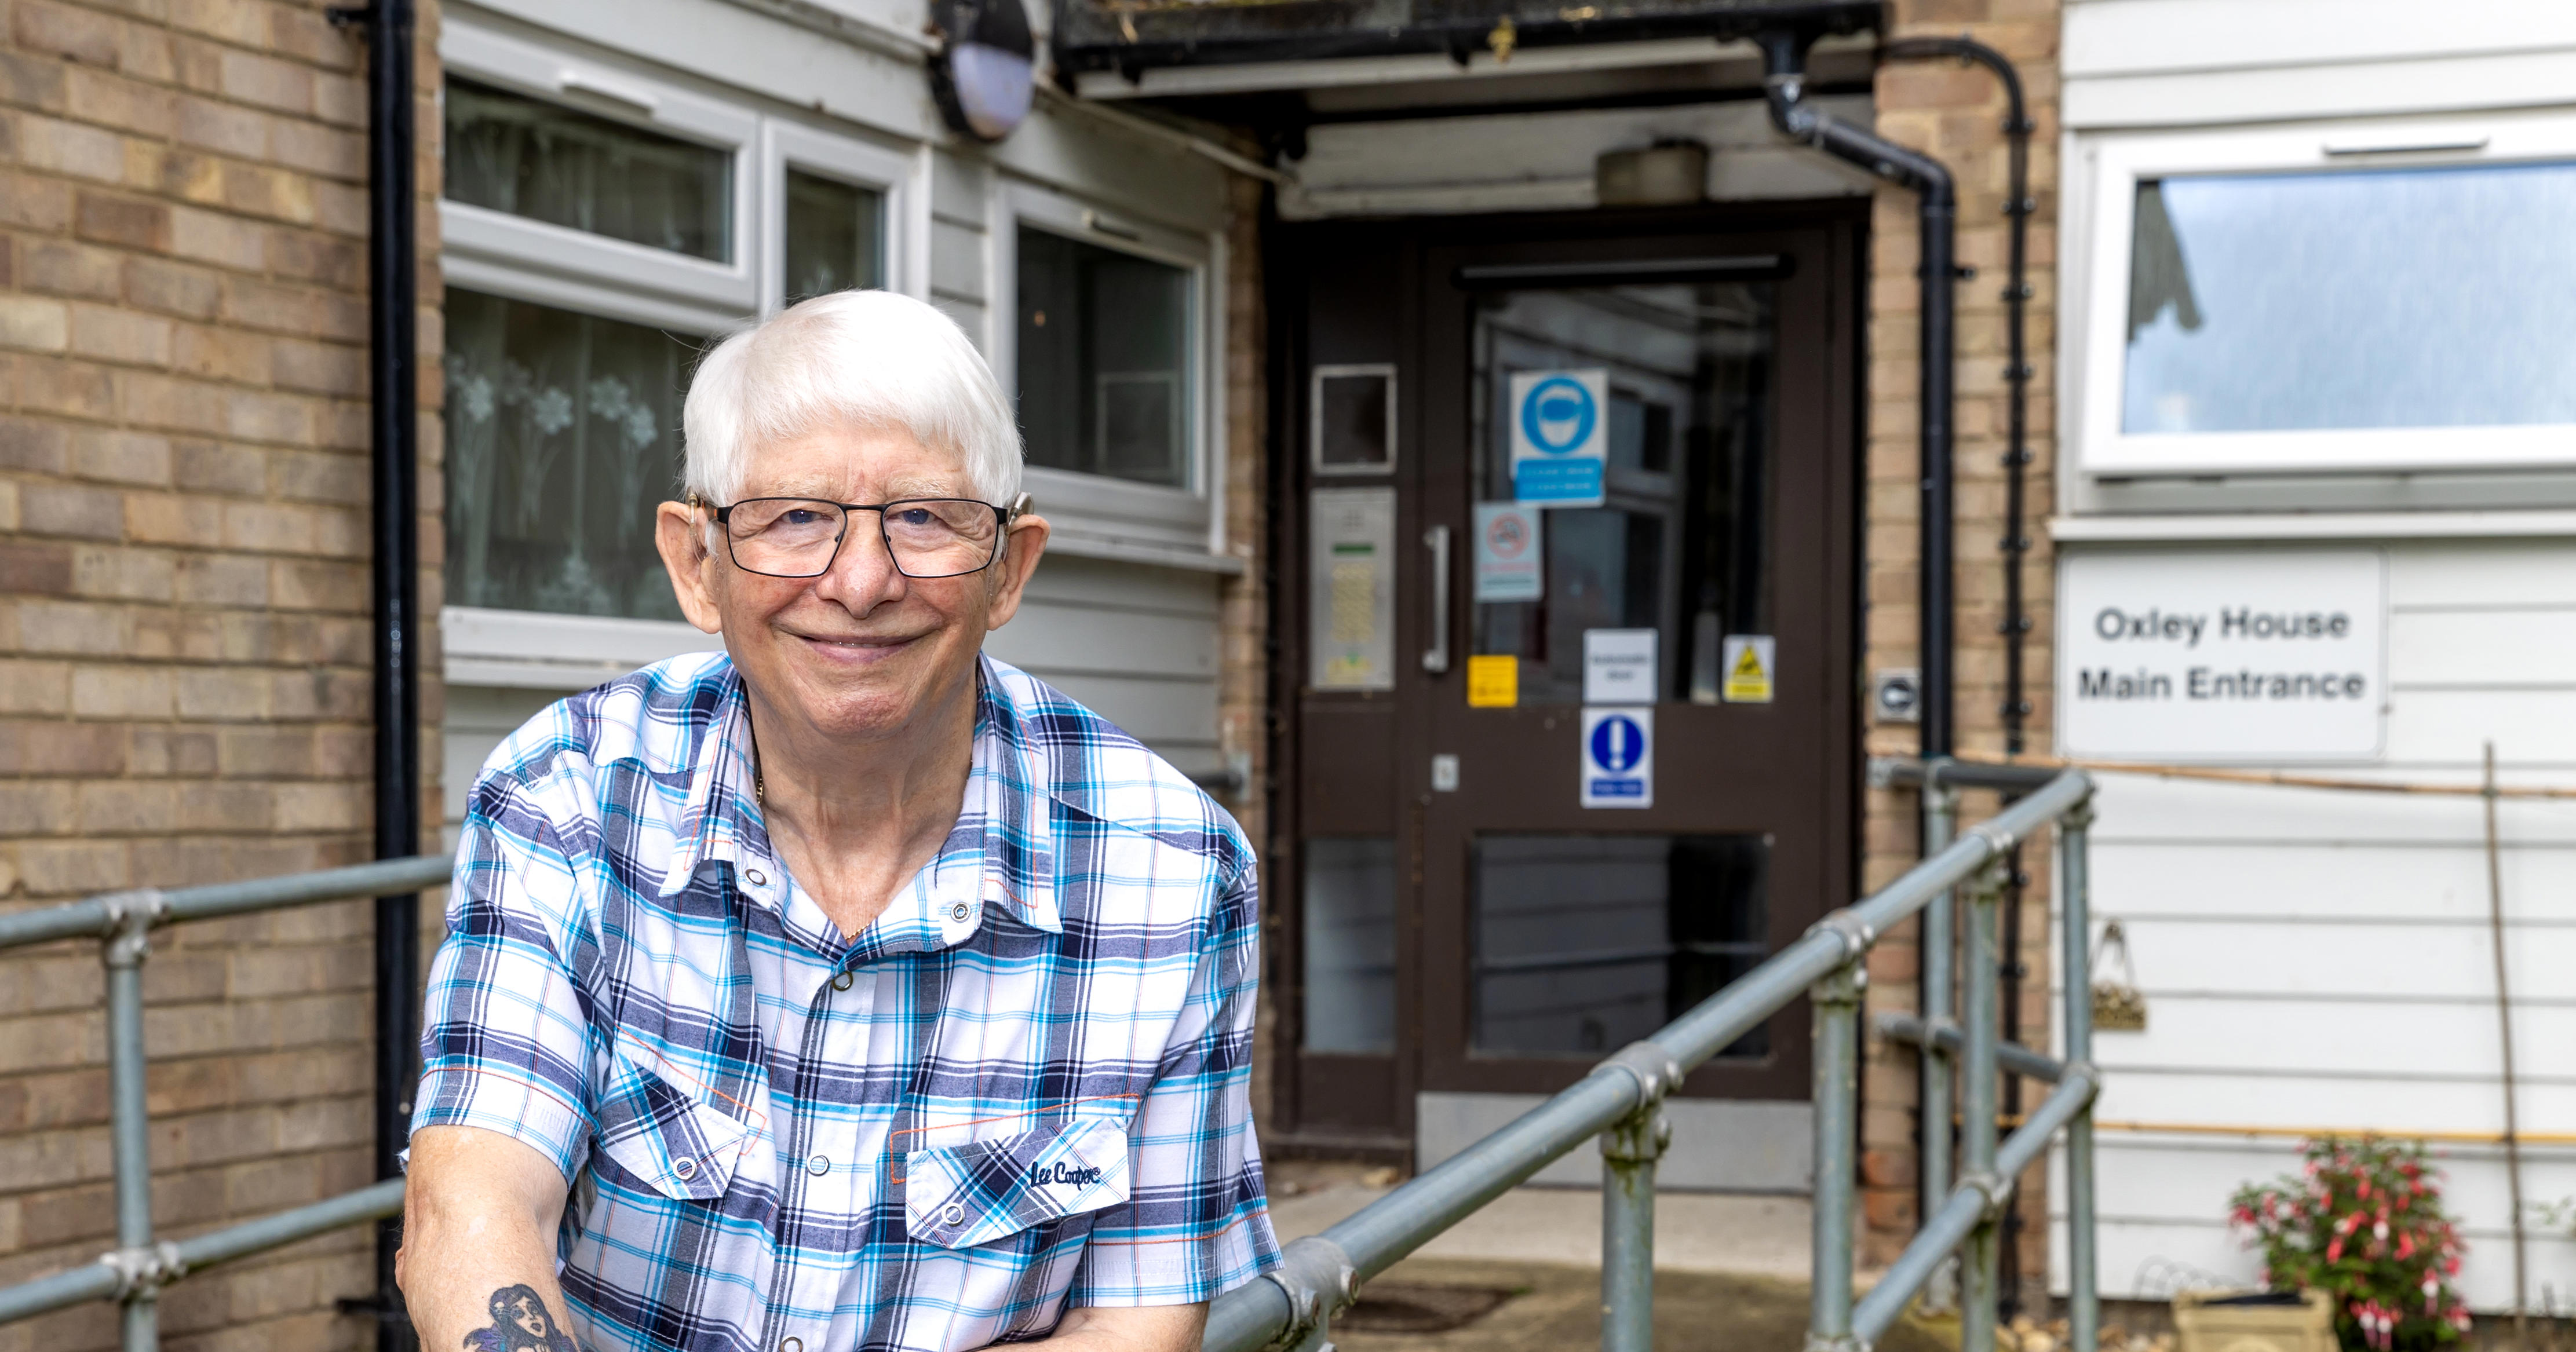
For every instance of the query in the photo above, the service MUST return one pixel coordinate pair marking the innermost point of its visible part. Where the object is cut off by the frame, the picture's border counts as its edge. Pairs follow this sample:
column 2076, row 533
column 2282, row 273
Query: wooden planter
column 2203, row 1326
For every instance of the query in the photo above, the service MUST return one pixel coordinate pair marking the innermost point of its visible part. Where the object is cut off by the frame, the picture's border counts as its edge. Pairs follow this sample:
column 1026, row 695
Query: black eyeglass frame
column 1003, row 517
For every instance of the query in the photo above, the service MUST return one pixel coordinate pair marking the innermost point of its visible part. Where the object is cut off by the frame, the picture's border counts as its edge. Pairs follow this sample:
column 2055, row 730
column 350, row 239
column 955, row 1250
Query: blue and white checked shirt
column 1024, row 1087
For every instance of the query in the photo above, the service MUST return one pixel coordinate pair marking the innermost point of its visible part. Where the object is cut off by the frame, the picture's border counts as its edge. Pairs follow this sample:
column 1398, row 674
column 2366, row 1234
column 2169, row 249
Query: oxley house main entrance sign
column 2239, row 656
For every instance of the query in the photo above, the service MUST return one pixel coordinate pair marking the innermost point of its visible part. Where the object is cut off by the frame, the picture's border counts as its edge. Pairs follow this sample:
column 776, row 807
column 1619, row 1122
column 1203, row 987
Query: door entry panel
column 1462, row 924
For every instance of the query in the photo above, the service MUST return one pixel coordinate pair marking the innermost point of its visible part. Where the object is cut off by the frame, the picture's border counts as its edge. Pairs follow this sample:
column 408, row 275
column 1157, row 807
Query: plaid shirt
column 1024, row 1086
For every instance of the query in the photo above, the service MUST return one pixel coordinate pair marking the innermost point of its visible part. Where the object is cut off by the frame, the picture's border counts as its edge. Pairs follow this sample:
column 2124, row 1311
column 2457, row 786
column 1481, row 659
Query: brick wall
column 1956, row 112
column 1243, row 692
column 184, row 630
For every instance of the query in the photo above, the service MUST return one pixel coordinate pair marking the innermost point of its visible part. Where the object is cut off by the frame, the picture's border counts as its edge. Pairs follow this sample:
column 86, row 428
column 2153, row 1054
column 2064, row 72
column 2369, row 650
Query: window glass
column 566, row 167
column 562, row 436
column 1584, row 944
column 1104, row 339
column 1350, row 944
column 2358, row 299
column 834, row 236
column 1678, row 542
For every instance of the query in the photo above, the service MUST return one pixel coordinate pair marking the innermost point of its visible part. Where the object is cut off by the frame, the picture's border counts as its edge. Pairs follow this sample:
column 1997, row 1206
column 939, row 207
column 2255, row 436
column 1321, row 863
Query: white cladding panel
column 2318, row 959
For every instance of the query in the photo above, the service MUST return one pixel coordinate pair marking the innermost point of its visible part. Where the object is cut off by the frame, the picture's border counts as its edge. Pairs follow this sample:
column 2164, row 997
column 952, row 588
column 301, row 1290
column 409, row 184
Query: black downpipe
column 1784, row 56
column 394, row 383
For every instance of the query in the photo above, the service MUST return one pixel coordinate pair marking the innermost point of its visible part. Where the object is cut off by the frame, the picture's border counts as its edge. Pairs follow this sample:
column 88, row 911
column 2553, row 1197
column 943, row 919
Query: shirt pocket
column 665, row 1138
column 963, row 1195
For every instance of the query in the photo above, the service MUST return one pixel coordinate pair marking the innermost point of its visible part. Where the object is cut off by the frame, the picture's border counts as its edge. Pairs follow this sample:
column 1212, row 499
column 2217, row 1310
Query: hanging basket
column 2118, row 1005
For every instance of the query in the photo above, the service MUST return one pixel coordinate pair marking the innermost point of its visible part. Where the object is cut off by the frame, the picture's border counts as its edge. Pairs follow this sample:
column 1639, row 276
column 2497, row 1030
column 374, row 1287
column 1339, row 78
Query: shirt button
column 791, row 1345
column 758, row 879
column 844, row 981
column 685, row 1168
column 818, row 1166
column 957, row 912
column 954, row 1215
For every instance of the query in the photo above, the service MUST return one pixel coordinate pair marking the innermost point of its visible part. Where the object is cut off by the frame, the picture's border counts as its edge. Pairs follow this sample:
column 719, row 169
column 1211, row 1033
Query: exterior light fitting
column 985, row 72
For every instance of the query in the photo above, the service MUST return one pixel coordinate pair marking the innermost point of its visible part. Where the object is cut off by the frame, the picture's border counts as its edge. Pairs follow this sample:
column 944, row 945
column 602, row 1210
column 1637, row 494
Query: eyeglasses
column 926, row 537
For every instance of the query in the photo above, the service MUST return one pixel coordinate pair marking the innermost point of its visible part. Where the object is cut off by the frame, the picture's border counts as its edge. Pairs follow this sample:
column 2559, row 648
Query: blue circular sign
column 1558, row 415
column 1618, row 744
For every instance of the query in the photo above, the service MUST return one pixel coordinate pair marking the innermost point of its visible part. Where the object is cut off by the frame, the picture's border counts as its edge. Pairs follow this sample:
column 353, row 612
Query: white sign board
column 1560, row 436
column 2237, row 656
column 1618, row 758
column 1619, row 666
column 1511, row 554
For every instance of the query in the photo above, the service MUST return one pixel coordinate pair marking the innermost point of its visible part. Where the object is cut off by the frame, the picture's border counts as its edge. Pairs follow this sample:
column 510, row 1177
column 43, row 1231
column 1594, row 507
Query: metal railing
column 1320, row 1275
column 134, row 1274
column 1620, row 1101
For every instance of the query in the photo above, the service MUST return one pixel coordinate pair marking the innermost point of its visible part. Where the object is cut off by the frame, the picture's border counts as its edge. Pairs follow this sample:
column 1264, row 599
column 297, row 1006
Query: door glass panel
column 563, row 432
column 566, row 167
column 2364, row 298
column 1585, row 943
column 1350, row 945
column 1678, row 543
column 833, row 236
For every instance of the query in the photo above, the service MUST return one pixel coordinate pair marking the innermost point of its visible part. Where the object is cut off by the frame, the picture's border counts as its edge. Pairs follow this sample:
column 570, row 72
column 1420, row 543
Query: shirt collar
column 1007, row 789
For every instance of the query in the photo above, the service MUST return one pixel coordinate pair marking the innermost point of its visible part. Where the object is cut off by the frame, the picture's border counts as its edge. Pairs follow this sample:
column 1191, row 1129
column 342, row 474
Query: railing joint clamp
column 1856, row 934
column 1997, row 842
column 1995, row 1188
column 1320, row 1282
column 1653, row 1068
column 141, row 1271
column 130, row 918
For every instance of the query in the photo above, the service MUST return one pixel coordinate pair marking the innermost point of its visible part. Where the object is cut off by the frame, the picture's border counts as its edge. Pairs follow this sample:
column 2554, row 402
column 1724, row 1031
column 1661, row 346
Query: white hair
column 860, row 358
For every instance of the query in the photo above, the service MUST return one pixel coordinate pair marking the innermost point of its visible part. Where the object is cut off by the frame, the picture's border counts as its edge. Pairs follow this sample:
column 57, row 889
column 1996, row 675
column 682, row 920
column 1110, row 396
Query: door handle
column 1435, row 659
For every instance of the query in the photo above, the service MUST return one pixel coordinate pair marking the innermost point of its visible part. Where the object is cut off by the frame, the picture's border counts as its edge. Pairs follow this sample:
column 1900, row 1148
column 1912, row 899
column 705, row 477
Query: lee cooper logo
column 1080, row 1175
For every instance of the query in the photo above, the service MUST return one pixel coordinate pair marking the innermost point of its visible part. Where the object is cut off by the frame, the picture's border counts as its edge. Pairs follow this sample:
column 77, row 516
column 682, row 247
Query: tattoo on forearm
column 521, row 1323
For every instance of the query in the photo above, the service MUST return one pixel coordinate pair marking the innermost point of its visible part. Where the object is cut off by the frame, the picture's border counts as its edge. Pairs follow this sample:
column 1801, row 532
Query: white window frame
column 563, row 266
column 520, row 259
column 2113, row 163
column 900, row 178
column 1096, row 513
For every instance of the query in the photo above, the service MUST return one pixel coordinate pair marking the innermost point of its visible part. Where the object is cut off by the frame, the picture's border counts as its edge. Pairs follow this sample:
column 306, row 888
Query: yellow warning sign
column 1747, row 659
column 1493, row 681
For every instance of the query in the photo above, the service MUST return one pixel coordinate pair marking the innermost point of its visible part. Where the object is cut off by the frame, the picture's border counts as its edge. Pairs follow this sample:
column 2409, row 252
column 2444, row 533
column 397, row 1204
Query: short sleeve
column 505, row 1041
column 1196, row 1221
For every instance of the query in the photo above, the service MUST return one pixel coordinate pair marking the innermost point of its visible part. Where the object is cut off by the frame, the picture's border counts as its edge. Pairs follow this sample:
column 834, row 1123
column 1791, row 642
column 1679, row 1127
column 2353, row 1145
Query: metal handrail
column 122, row 922
column 1319, row 1275
column 1619, row 1101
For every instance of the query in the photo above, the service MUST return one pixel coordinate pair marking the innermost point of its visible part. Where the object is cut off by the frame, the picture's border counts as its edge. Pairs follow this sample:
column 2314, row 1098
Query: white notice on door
column 2239, row 656
column 1619, row 666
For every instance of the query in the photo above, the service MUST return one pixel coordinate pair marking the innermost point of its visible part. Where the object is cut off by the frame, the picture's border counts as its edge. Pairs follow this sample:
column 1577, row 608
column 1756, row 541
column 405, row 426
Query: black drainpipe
column 1784, row 60
column 394, row 425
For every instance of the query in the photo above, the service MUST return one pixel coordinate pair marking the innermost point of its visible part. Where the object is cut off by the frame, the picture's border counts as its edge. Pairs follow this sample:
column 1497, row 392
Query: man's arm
column 479, row 1219
column 1128, row 1328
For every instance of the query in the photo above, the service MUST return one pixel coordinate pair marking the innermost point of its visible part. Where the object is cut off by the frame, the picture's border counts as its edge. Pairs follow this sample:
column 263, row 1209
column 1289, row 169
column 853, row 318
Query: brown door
column 1472, row 668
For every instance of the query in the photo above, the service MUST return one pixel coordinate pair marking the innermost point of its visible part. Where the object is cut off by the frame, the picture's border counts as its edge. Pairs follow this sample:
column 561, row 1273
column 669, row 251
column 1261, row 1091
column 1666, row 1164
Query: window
column 600, row 226
column 2358, row 299
column 566, row 167
column 1103, row 360
column 835, row 237
column 563, row 431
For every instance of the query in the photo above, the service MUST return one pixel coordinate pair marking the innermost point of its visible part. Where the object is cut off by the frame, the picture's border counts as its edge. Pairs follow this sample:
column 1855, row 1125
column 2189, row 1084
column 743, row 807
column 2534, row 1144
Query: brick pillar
column 1243, row 692
column 1956, row 112
column 184, row 632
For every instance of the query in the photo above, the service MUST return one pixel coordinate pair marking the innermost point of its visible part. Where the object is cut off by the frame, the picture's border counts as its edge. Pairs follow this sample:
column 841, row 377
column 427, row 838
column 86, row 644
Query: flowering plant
column 2363, row 1222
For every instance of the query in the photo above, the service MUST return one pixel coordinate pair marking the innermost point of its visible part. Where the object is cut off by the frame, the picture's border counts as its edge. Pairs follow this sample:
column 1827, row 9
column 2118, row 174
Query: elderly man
column 848, row 989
